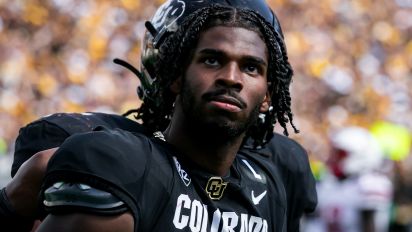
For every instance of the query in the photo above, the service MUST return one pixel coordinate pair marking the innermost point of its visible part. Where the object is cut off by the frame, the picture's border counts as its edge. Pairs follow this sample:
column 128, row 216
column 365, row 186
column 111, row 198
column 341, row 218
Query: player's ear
column 264, row 107
column 176, row 86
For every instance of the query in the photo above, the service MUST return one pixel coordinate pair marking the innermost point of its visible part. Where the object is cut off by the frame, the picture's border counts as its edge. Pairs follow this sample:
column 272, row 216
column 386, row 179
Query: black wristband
column 9, row 218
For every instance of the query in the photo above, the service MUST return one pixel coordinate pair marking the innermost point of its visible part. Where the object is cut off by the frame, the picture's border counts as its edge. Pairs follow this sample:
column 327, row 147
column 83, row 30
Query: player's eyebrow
column 255, row 60
column 220, row 53
column 210, row 51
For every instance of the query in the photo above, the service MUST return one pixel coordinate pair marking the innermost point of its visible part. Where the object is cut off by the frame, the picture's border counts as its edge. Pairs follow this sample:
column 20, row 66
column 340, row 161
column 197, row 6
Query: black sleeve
column 296, row 173
column 52, row 130
column 37, row 136
column 114, row 161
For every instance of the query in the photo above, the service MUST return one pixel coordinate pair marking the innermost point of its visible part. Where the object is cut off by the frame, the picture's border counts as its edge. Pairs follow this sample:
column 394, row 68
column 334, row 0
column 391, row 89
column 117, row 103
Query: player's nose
column 230, row 77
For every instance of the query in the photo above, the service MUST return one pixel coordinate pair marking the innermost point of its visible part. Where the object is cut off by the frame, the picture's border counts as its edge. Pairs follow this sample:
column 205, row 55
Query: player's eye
column 211, row 61
column 252, row 69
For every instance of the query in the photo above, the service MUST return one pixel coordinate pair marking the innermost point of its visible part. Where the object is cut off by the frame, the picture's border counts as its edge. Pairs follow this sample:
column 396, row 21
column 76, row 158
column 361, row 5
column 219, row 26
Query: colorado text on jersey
column 195, row 215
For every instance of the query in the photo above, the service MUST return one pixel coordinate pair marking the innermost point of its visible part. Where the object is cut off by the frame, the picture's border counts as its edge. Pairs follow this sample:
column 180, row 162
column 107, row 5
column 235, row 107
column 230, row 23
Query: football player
column 172, row 41
column 357, row 195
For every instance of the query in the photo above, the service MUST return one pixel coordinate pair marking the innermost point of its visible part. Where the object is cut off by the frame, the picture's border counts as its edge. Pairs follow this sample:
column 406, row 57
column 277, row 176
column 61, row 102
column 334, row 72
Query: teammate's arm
column 87, row 222
column 23, row 190
column 18, row 201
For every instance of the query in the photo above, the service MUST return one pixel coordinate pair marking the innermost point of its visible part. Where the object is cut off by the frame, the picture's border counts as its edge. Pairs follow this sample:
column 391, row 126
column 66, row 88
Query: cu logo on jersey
column 215, row 188
column 170, row 12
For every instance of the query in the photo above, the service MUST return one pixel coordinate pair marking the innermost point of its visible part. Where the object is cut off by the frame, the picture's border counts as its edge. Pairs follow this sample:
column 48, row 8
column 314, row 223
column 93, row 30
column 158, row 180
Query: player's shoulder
column 106, row 159
column 284, row 152
column 52, row 130
column 114, row 143
column 103, row 136
column 283, row 144
column 91, row 154
column 293, row 161
column 73, row 123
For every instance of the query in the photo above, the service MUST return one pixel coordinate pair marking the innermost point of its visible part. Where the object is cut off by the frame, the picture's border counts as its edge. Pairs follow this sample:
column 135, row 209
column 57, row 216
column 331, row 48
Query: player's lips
column 226, row 100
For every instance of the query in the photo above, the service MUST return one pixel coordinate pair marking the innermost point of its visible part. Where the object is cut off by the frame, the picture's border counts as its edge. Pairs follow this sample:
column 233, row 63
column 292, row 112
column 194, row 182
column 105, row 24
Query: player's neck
column 216, row 158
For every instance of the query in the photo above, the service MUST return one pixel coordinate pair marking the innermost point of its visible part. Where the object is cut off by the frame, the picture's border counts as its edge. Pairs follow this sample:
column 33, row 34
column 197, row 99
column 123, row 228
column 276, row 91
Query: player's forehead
column 233, row 41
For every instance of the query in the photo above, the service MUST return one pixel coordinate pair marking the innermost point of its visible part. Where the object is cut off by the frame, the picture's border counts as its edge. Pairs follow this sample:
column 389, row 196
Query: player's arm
column 79, row 207
column 86, row 222
column 23, row 189
column 34, row 146
column 90, row 174
column 18, row 200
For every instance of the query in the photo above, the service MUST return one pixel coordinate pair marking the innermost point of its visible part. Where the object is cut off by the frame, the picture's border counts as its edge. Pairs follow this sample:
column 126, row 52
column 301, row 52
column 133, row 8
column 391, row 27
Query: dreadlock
column 176, row 52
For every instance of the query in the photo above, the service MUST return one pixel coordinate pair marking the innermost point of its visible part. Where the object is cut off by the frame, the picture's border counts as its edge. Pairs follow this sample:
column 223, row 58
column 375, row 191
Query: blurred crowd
column 352, row 62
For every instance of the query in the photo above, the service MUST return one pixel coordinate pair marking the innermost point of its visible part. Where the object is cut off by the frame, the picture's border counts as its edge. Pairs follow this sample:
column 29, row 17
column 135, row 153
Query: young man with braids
column 221, row 83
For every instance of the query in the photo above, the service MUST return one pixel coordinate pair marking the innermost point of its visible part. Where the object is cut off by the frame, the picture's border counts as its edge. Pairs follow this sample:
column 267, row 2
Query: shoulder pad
column 84, row 122
column 67, row 195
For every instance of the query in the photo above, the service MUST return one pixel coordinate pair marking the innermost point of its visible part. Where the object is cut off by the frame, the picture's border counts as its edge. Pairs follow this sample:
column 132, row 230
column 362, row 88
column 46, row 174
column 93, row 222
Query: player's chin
column 228, row 122
column 226, row 118
column 223, row 130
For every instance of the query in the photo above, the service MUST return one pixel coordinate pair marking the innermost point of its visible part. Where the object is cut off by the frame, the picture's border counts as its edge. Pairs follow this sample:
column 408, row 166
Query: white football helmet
column 354, row 151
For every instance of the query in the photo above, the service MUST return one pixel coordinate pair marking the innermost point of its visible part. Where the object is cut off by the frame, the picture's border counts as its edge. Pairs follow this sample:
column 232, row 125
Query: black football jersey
column 289, row 157
column 166, row 193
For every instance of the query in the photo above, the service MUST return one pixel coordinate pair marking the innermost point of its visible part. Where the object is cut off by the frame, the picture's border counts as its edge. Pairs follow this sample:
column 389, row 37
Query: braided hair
column 175, row 53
